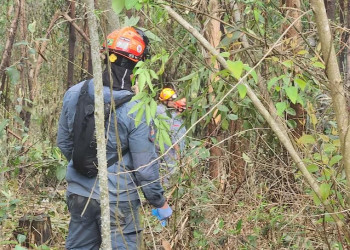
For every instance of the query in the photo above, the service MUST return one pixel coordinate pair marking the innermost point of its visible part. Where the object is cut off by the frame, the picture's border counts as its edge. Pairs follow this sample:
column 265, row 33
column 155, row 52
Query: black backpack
column 85, row 146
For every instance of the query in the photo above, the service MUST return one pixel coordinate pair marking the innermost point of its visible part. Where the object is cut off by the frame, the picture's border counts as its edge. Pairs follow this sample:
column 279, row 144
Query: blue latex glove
column 162, row 214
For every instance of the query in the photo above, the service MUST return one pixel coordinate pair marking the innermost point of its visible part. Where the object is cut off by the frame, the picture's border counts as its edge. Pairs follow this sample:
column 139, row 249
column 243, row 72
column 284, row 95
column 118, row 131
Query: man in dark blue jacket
column 137, row 168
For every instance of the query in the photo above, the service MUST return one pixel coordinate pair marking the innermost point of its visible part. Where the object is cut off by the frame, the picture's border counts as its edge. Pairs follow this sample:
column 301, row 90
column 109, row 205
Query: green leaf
column 60, row 173
column 21, row 238
column 153, row 108
column 139, row 96
column 31, row 27
column 335, row 159
column 301, row 83
column 138, row 117
column 290, row 111
column 239, row 226
column 288, row 63
column 188, row 77
column 138, row 6
column 132, row 21
column 148, row 114
column 315, row 198
column 292, row 93
column 291, row 124
column 141, row 80
column 151, row 35
column 306, row 139
column 3, row 125
column 325, row 190
column 118, row 5
column 318, row 65
column 312, row 168
column 224, row 124
column 136, row 107
column 329, row 147
column 153, row 74
column 253, row 73
column 281, row 107
column 160, row 142
column 236, row 68
column 242, row 90
column 13, row 74
column 166, row 137
column 223, row 108
column 130, row 3
column 225, row 54
column 232, row 117
column 18, row 247
column 302, row 52
column 272, row 82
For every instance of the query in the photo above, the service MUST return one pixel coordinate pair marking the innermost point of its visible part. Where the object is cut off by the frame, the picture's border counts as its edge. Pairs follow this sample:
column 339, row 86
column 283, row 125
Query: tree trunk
column 213, row 35
column 26, row 80
column 6, row 55
column 33, row 74
column 110, row 18
column 100, row 128
column 344, row 37
column 71, row 42
column 330, row 9
column 347, row 41
column 293, row 35
column 335, row 84
column 37, row 229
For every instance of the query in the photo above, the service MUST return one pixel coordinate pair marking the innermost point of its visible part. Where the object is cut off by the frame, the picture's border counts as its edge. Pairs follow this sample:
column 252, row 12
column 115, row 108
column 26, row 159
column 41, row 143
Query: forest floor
column 205, row 217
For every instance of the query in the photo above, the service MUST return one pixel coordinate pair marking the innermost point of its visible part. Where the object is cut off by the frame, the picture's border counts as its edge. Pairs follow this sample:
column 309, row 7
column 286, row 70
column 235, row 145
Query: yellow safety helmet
column 166, row 94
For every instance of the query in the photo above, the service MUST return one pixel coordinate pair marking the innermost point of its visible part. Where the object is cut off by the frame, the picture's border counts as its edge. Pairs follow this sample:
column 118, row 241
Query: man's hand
column 162, row 213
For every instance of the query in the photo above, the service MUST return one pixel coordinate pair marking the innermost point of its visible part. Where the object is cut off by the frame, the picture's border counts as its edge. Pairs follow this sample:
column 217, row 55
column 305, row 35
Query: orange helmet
column 128, row 42
column 166, row 94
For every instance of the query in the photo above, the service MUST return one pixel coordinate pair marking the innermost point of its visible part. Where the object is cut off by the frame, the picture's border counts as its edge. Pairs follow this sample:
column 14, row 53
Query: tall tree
column 7, row 52
column 335, row 82
column 71, row 49
column 109, row 18
column 100, row 128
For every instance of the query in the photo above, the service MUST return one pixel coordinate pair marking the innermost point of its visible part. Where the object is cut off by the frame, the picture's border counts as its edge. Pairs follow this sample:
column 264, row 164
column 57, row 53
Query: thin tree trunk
column 213, row 35
column 278, row 130
column 6, row 55
column 331, row 9
column 110, row 18
column 344, row 37
column 27, row 82
column 72, row 40
column 41, row 50
column 347, row 73
column 100, row 128
column 335, row 83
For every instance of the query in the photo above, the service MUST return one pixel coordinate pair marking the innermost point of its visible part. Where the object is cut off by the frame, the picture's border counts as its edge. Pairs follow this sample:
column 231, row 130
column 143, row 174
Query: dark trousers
column 85, row 230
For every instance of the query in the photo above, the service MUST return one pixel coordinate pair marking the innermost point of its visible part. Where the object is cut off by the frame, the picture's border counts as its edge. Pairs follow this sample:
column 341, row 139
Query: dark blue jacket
column 141, row 151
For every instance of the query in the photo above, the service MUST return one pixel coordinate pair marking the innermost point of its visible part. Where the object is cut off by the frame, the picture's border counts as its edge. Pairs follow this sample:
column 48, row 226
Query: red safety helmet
column 128, row 42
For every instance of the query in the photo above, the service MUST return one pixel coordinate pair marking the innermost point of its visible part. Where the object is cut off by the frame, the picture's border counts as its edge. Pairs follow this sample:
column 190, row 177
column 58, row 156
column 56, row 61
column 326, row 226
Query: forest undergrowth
column 267, row 209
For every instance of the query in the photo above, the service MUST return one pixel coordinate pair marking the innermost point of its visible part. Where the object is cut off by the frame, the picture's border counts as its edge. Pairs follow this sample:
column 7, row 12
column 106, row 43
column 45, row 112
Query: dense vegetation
column 266, row 164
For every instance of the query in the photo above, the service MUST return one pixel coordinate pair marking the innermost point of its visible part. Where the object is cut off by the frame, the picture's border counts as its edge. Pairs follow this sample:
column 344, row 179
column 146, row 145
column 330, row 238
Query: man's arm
column 142, row 150
column 64, row 137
